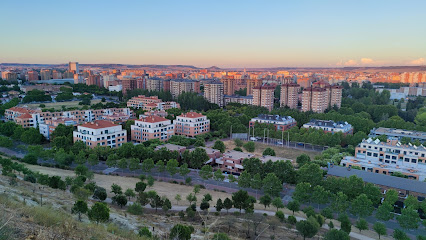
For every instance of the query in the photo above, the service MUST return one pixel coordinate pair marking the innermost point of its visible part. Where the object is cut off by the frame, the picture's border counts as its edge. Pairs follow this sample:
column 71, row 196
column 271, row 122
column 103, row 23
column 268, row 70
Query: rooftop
column 171, row 147
column 327, row 123
column 237, row 155
column 380, row 179
column 98, row 124
column 399, row 132
column 273, row 159
column 191, row 115
column 152, row 119
column 273, row 117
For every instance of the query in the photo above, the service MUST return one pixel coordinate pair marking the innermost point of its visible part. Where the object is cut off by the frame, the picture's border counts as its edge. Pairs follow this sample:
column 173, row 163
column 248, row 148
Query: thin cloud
column 367, row 61
column 350, row 63
column 419, row 61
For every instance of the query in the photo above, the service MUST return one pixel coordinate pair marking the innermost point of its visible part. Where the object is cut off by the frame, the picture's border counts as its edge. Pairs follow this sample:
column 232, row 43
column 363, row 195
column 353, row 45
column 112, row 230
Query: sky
column 231, row 33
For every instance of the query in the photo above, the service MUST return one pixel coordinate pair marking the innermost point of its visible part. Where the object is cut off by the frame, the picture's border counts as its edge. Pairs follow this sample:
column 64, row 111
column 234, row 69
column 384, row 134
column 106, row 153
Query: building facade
column 152, row 127
column 264, row 96
column 281, row 123
column 329, row 126
column 100, row 133
column 290, row 95
column 192, row 124
column 398, row 133
column 178, row 86
column 213, row 92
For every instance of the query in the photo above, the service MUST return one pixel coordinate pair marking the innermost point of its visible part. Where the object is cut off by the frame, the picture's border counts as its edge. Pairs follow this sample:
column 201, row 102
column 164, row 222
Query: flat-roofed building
column 238, row 99
column 399, row 133
column 281, row 123
column 264, row 96
column 141, row 100
column 389, row 157
column 100, row 133
column 232, row 161
column 213, row 92
column 329, row 126
column 178, row 86
column 152, row 127
column 289, row 95
column 171, row 147
column 192, row 124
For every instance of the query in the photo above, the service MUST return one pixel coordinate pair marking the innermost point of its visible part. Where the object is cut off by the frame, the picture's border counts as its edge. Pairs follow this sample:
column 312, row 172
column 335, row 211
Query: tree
column 147, row 165
column 385, row 212
column 81, row 170
column 198, row 158
column 361, row 224
column 30, row 159
column 150, row 181
column 306, row 228
column 293, row 206
column 227, row 204
column 268, row 152
column 345, row 223
column 272, row 185
column 303, row 192
column 361, row 206
column 238, row 142
column 99, row 212
column 100, row 193
column 160, row 166
column 156, row 201
column 335, row 234
column 120, row 200
column 379, row 228
column 219, row 205
column 411, row 201
column 171, row 167
column 373, row 193
column 191, row 198
column 240, row 199
column 80, row 207
column 391, row 196
column 320, row 195
column 278, row 203
column 340, row 202
column 93, row 160
column 144, row 232
column 206, row 172
column 181, row 232
column 220, row 236
column 204, row 205
column 196, row 189
column 302, row 159
column 398, row 234
column 244, row 180
column 265, row 200
column 310, row 173
column 409, row 218
column 116, row 189
column 129, row 193
column 134, row 164
column 178, row 198
column 184, row 170
column 219, row 145
column 140, row 187
column 167, row 205
column 218, row 176
column 249, row 146
column 122, row 164
column 32, row 136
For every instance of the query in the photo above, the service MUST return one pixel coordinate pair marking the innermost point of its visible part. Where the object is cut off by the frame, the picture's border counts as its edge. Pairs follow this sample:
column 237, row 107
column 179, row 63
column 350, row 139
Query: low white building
column 100, row 133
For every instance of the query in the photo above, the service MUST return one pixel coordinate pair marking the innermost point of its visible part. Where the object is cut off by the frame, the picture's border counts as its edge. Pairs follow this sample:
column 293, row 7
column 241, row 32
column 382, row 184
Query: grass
column 58, row 105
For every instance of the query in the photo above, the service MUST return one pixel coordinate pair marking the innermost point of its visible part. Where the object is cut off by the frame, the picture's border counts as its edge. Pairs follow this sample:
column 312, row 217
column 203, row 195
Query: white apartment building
column 192, row 124
column 152, row 127
column 100, row 133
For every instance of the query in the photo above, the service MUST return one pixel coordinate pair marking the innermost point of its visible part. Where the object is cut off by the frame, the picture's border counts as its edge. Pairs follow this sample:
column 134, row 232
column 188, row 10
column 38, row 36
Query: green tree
column 249, row 146
column 310, row 173
column 265, row 200
column 181, row 232
column 147, row 165
column 218, row 176
column 120, row 200
column 129, row 193
column 167, row 205
column 198, row 158
column 238, row 142
column 400, row 235
column 268, row 152
column 380, row 229
column 411, row 201
column 184, row 170
column 244, row 180
column 303, row 159
column 191, row 198
column 100, row 193
column 144, row 232
column 241, row 199
column 227, row 204
column 99, row 212
column 307, row 229
column 80, row 207
column 303, row 192
column 385, row 212
column 335, row 234
column 32, row 136
column 116, row 189
column 122, row 164
column 345, row 223
column 293, row 206
column 391, row 196
column 409, row 218
column 361, row 224
column 340, row 202
column 206, row 172
column 361, row 206
column 219, row 145
column 278, row 203
column 220, row 236
column 171, row 167
column 320, row 195
column 272, row 185
column 219, row 205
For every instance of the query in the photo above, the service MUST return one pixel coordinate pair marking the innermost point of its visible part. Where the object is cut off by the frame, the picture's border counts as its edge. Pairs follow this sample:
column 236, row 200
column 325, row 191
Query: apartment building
column 141, row 100
column 212, row 153
column 238, row 99
column 281, row 123
column 228, row 85
column 32, row 76
column 9, row 76
column 232, row 161
column 264, row 96
column 251, row 84
column 329, row 126
column 48, row 127
column 152, row 127
column 178, row 86
column 213, row 92
column 389, row 157
column 154, row 84
column 192, row 124
column 100, row 133
column 321, row 96
column 289, row 95
column 128, row 85
column 399, row 134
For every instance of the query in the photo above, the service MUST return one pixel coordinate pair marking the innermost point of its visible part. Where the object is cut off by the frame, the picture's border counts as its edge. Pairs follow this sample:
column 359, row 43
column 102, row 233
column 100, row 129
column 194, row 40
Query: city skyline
column 224, row 34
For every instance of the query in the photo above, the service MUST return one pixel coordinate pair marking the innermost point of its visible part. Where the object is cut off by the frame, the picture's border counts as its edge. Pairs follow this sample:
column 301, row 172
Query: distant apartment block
column 128, row 85
column 399, row 134
column 152, row 127
column 253, row 83
column 228, row 85
column 73, row 67
column 213, row 92
column 178, row 86
column 100, row 133
column 289, row 95
column 281, row 123
column 238, row 99
column 33, row 76
column 389, row 157
column 321, row 96
column 9, row 76
column 264, row 96
column 154, row 84
column 192, row 124
column 329, row 126
column 141, row 100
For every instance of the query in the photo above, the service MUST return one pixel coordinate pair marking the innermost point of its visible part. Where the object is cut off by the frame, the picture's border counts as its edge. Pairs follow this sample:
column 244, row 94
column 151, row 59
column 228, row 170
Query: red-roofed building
column 100, row 133
column 192, row 124
column 152, row 127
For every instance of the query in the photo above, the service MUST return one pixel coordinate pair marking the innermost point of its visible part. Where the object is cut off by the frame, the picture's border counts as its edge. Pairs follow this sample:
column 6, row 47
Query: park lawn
column 288, row 153
column 58, row 105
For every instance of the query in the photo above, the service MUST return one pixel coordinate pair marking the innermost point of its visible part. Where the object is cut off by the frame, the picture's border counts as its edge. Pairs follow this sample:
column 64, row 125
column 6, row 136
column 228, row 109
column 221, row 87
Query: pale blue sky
column 257, row 33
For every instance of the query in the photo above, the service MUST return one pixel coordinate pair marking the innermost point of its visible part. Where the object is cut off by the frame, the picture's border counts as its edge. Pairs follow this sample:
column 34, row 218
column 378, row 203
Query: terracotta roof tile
column 99, row 124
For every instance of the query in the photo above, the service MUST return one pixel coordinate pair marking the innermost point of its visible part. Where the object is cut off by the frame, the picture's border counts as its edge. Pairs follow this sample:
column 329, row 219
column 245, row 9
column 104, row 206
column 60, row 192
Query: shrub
column 144, row 232
column 280, row 215
column 135, row 209
column 292, row 220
